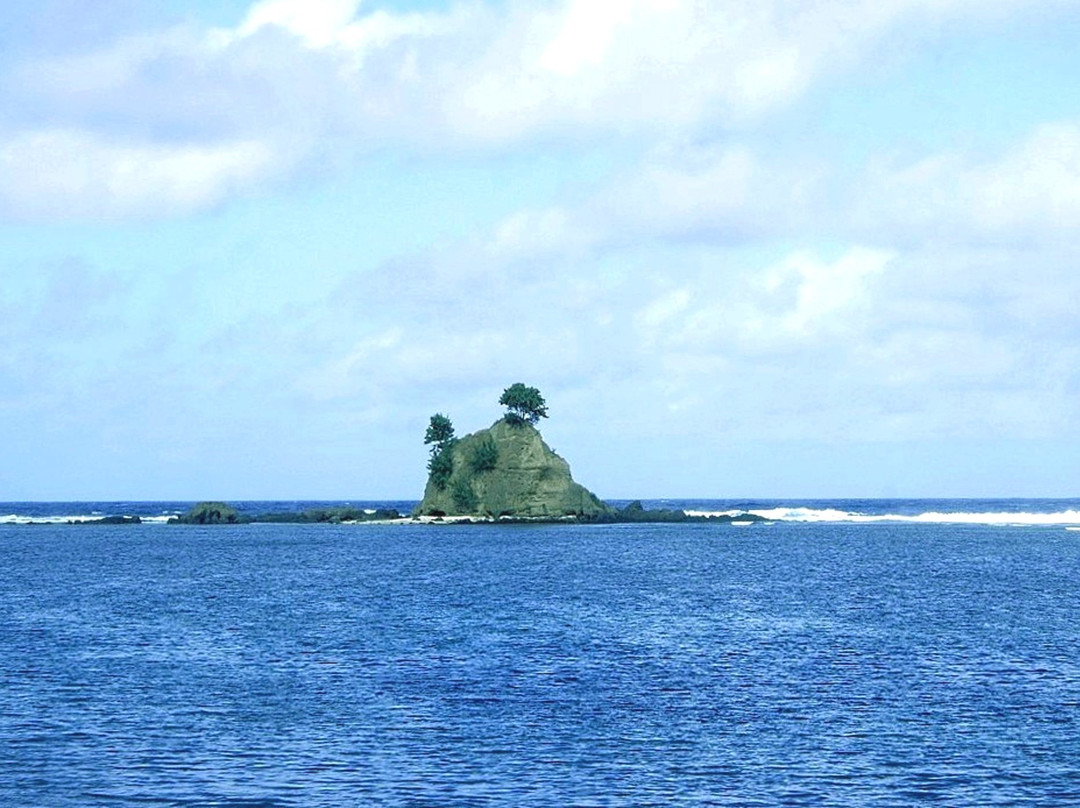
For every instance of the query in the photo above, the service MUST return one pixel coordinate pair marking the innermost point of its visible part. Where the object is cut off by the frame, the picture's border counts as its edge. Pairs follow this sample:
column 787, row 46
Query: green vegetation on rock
column 440, row 467
column 334, row 515
column 508, row 471
column 210, row 513
column 485, row 456
column 218, row 513
column 635, row 512
column 440, row 433
column 524, row 405
column 464, row 495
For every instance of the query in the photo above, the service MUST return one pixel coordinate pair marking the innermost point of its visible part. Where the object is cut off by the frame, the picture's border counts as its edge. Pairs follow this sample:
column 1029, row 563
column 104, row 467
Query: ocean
column 847, row 653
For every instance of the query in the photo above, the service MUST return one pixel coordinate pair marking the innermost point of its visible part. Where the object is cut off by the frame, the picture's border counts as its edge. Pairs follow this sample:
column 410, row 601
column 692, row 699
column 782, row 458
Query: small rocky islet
column 220, row 513
column 505, row 473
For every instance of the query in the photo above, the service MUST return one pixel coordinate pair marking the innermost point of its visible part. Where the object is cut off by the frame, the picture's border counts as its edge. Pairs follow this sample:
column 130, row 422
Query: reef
column 219, row 513
column 108, row 520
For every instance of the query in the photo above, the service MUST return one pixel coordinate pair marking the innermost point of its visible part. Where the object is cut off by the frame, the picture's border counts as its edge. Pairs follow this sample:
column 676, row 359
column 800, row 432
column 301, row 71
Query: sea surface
column 849, row 653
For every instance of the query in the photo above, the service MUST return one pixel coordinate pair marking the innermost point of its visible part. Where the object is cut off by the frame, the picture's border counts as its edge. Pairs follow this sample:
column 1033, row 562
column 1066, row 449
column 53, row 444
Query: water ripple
column 284, row 666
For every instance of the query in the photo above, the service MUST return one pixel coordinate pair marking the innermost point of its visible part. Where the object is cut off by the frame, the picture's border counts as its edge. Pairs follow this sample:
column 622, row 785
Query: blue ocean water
column 816, row 662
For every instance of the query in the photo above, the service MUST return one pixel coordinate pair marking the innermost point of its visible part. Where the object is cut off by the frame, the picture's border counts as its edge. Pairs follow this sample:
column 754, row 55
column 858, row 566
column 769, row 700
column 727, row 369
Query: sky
column 744, row 248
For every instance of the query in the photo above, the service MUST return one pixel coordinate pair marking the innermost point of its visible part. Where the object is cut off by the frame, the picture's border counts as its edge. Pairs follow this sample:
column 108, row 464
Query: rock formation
column 508, row 471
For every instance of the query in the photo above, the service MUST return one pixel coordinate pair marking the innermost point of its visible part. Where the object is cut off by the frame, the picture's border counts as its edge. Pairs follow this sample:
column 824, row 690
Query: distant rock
column 219, row 513
column 108, row 520
column 210, row 513
column 508, row 471
column 332, row 515
column 636, row 512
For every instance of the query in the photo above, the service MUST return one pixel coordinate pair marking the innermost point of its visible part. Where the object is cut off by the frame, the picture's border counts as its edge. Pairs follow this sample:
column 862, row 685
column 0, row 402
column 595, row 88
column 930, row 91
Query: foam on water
column 1034, row 513
column 23, row 519
column 805, row 514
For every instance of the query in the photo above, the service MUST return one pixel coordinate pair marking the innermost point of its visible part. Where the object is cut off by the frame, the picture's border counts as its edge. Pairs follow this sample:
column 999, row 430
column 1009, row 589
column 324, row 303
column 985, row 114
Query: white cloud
column 721, row 195
column 665, row 308
column 473, row 74
column 715, row 288
column 319, row 23
column 1029, row 193
column 746, row 312
column 714, row 192
column 866, row 344
column 822, row 291
column 586, row 66
column 585, row 34
column 1032, row 188
column 1037, row 184
column 321, row 80
column 537, row 233
column 329, row 24
column 70, row 173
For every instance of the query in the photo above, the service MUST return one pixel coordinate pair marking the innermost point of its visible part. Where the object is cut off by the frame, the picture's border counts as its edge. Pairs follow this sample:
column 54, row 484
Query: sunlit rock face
column 508, row 471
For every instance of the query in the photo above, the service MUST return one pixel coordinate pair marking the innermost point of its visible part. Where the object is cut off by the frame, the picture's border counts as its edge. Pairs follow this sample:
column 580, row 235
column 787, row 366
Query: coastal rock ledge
column 508, row 471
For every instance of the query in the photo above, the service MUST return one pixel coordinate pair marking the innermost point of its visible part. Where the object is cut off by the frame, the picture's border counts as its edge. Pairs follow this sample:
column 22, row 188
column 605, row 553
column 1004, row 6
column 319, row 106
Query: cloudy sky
column 745, row 248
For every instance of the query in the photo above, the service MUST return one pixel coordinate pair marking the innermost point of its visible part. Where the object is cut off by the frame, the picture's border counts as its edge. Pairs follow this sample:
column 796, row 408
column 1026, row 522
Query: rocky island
column 505, row 473
column 507, row 470
column 508, row 473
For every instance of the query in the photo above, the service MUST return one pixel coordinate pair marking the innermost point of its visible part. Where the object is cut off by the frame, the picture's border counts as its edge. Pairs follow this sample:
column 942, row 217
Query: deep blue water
column 839, row 664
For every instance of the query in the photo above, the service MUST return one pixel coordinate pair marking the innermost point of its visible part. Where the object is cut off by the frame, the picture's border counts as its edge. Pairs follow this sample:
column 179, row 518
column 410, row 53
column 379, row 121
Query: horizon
column 793, row 501
column 1041, row 513
column 249, row 247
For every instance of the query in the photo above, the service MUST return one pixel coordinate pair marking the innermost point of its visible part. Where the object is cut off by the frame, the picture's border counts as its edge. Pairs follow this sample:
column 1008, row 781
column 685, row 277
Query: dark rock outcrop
column 108, row 520
column 635, row 512
column 210, row 513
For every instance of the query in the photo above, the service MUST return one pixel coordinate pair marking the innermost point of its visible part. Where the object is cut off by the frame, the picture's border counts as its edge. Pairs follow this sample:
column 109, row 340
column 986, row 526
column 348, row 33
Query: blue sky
column 745, row 249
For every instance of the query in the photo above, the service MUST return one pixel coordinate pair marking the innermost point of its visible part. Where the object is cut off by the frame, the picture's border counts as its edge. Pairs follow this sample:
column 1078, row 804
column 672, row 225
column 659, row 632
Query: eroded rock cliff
column 508, row 471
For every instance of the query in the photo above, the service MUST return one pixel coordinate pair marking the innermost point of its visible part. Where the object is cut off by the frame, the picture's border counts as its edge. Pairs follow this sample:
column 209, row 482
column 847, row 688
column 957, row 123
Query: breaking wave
column 806, row 514
column 23, row 519
column 992, row 512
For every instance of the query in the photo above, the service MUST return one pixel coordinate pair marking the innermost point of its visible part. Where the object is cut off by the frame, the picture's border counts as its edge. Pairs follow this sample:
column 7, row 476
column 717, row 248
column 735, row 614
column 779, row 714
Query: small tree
column 441, row 468
column 523, row 404
column 440, row 433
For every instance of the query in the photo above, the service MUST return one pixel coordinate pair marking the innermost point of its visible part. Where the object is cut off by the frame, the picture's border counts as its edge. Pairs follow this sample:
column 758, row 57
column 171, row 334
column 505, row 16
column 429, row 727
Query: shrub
column 464, row 496
column 485, row 455
column 440, row 467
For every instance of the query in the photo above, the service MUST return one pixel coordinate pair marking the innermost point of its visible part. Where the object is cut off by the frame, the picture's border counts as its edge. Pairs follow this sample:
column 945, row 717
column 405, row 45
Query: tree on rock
column 523, row 404
column 440, row 433
column 441, row 468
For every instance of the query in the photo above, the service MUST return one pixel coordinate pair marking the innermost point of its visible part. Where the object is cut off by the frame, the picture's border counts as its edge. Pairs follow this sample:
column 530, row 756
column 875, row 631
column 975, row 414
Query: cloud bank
column 297, row 83
column 725, row 274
